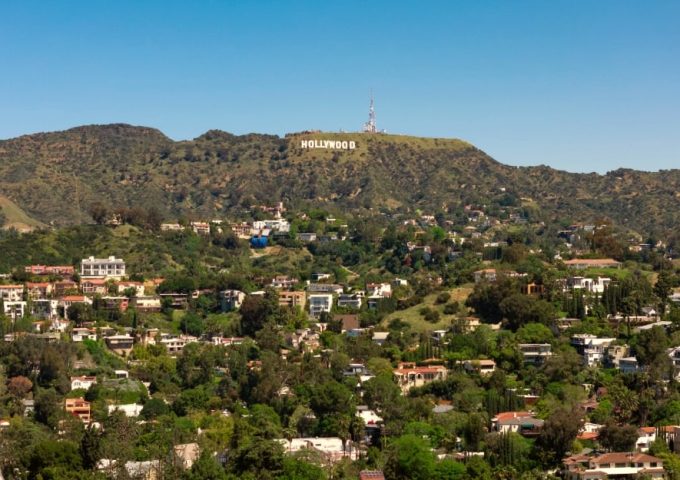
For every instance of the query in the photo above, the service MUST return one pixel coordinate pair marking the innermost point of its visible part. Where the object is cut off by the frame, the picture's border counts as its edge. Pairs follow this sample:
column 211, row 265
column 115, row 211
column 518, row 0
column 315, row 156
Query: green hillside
column 55, row 177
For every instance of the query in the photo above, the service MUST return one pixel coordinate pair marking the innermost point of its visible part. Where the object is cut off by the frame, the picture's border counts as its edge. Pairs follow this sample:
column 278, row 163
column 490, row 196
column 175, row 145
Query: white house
column 83, row 382
column 14, row 310
column 320, row 303
column 110, row 267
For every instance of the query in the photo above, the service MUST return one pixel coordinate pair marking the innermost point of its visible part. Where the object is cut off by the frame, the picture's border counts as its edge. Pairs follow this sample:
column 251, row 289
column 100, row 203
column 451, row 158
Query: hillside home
column 350, row 300
column 65, row 287
column 629, row 365
column 146, row 303
column 57, row 270
column 231, row 299
column 284, row 282
column 619, row 465
column 307, row 237
column 292, row 299
column 483, row 367
column 14, row 310
column 78, row 334
column 535, row 353
column 78, row 407
column 11, row 293
column 330, row 449
column 120, row 344
column 129, row 409
column 94, row 286
column 590, row 285
column 524, row 423
column 320, row 303
column 408, row 375
column 110, row 267
column 324, row 288
column 487, row 274
column 383, row 290
column 83, row 382
column 583, row 263
column 592, row 348
column 36, row 290
column 138, row 288
column 200, row 228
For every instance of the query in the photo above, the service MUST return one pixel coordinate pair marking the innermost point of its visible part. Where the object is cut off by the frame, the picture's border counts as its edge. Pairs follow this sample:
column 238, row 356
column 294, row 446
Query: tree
column 558, row 434
column 206, row 467
column 99, row 213
column 410, row 457
column 19, row 386
column 80, row 313
column 618, row 438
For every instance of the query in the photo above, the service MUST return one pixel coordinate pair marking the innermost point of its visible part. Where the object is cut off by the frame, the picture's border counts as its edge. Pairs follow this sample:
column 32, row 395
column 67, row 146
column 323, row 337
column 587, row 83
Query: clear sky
column 581, row 85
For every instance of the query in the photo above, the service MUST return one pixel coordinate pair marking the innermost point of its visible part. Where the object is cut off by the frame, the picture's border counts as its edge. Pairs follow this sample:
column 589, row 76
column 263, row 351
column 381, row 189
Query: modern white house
column 320, row 303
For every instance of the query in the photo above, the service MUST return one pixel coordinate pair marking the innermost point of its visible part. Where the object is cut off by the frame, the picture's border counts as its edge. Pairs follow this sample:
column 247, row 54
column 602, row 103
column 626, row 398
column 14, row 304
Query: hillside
column 55, row 177
column 16, row 218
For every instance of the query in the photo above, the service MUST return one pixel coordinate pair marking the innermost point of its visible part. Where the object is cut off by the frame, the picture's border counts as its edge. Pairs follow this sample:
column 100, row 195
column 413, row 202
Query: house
column 200, row 228
column 94, row 286
column 371, row 475
column 185, row 455
column 65, row 287
column 535, row 353
column 320, row 303
column 284, row 282
column 487, row 274
column 130, row 409
column 78, row 407
column 175, row 300
column 307, row 237
column 590, row 285
column 583, row 263
column 110, row 267
column 482, row 367
column 146, row 303
column 383, row 290
column 175, row 345
column 646, row 436
column 45, row 309
column 350, row 300
column 67, row 301
column 408, row 375
column 280, row 225
column 380, row 337
column 331, row 449
column 36, row 290
column 14, row 310
column 111, row 303
column 592, row 348
column 83, row 382
column 171, row 227
column 348, row 321
column 11, row 293
column 324, row 288
column 318, row 277
column 619, row 465
column 120, row 344
column 138, row 288
column 78, row 334
column 292, row 299
column 231, row 299
column 524, row 423
column 57, row 270
column 629, row 365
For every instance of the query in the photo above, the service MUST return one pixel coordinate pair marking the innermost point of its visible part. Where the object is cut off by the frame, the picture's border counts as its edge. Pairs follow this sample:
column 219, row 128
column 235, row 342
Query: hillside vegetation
column 55, row 177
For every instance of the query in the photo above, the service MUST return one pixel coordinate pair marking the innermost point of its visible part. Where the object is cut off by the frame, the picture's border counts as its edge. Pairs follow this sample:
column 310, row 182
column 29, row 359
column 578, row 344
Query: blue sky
column 578, row 85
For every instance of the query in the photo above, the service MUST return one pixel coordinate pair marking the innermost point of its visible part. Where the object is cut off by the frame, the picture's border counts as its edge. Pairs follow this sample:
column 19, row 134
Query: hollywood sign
column 337, row 144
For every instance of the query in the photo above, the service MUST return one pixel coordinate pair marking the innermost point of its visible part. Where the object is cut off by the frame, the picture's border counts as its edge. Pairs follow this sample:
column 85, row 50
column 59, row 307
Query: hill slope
column 56, row 176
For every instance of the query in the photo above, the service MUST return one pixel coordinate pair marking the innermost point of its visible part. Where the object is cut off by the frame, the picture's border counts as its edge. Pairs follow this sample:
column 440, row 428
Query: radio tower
column 370, row 126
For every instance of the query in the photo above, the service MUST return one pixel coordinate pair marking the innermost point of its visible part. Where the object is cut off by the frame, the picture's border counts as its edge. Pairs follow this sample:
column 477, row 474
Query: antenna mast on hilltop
column 371, row 126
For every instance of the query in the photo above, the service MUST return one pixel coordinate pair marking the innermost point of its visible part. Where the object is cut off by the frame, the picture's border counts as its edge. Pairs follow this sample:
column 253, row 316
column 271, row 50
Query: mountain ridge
column 49, row 174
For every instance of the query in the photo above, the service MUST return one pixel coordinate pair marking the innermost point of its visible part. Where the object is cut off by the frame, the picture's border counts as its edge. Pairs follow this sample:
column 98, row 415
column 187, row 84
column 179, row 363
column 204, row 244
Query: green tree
column 410, row 457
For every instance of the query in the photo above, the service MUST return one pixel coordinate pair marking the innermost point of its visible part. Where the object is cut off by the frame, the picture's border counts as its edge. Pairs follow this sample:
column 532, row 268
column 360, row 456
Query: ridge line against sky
column 577, row 85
